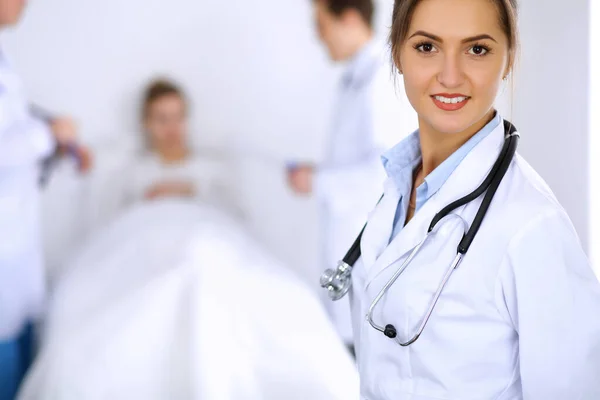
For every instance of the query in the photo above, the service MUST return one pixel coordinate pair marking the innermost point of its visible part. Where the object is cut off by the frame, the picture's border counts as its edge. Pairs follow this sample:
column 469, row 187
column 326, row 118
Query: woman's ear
column 396, row 61
column 506, row 71
column 509, row 65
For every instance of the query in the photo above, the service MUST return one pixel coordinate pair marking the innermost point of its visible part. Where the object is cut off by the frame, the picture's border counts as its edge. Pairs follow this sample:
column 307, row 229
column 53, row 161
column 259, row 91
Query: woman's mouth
column 450, row 102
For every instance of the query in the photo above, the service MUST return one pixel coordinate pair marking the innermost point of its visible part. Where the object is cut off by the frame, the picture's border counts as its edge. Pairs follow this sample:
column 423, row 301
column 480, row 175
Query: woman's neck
column 437, row 146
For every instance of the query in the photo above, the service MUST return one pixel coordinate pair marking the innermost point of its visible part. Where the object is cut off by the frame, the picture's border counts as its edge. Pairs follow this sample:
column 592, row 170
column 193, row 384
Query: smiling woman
column 505, row 308
column 451, row 65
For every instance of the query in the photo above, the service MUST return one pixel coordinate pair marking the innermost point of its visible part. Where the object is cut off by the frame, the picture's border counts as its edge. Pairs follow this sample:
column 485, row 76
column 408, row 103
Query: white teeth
column 452, row 100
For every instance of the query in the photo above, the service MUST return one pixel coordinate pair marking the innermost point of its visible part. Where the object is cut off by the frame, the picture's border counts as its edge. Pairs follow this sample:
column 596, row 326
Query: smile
column 450, row 102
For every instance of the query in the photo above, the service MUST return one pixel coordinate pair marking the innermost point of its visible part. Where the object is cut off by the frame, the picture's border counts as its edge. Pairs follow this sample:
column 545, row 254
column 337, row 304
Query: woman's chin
column 458, row 121
column 450, row 125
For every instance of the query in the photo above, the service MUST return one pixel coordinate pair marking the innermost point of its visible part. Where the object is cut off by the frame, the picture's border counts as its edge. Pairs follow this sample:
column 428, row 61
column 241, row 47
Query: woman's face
column 166, row 122
column 453, row 60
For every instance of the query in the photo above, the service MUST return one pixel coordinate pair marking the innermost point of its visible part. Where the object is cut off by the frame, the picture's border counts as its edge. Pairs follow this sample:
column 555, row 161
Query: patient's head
column 164, row 115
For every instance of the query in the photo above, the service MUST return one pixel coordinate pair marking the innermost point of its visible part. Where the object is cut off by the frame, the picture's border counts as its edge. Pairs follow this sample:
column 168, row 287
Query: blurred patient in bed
column 169, row 168
column 173, row 299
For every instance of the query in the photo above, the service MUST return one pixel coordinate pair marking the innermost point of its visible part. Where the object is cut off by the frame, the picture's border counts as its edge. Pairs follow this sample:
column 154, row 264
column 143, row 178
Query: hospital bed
column 176, row 300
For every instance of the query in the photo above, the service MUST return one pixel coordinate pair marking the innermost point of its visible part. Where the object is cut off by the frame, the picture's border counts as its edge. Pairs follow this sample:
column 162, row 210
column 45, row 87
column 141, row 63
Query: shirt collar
column 406, row 154
column 439, row 176
column 403, row 155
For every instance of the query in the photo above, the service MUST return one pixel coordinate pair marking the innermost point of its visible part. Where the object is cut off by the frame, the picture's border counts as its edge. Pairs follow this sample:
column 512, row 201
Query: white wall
column 253, row 69
column 237, row 57
column 594, row 148
column 256, row 74
column 551, row 100
column 258, row 77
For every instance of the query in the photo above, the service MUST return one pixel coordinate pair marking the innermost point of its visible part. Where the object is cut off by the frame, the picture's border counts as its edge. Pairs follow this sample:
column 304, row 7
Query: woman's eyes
column 428, row 48
column 478, row 50
column 425, row 47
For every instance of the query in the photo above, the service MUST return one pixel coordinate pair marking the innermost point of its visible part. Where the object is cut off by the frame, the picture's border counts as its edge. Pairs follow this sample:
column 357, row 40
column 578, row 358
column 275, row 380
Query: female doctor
column 519, row 316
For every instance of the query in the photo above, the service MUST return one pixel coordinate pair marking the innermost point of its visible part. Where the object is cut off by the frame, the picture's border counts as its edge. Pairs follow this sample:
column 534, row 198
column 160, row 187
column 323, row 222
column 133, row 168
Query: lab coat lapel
column 379, row 228
column 407, row 238
column 467, row 177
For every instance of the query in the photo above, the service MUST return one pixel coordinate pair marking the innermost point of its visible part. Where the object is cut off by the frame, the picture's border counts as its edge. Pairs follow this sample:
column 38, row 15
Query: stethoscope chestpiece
column 390, row 331
column 337, row 281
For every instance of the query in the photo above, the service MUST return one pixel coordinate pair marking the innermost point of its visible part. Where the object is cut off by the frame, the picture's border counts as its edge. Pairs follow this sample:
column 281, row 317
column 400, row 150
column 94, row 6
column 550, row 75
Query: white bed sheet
column 176, row 301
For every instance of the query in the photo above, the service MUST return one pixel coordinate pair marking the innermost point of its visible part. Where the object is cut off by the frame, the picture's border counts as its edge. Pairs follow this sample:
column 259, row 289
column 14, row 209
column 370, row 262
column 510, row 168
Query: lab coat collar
column 377, row 254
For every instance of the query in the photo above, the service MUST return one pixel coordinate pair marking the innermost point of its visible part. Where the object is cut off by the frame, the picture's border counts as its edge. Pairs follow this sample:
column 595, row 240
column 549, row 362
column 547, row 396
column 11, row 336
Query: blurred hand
column 64, row 130
column 65, row 133
column 300, row 179
column 170, row 189
column 85, row 158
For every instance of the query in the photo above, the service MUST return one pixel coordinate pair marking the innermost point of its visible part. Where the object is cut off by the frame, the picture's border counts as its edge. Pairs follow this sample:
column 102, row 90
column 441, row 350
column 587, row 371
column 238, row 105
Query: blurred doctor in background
column 24, row 143
column 370, row 114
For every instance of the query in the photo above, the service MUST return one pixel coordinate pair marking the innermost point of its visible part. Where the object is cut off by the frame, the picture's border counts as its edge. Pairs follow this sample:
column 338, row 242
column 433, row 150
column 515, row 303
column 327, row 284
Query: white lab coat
column 519, row 318
column 372, row 114
column 24, row 142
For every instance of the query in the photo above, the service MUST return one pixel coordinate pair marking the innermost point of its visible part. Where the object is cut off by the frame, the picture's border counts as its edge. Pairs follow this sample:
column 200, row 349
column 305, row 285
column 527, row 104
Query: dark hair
column 157, row 89
column 404, row 10
column 365, row 8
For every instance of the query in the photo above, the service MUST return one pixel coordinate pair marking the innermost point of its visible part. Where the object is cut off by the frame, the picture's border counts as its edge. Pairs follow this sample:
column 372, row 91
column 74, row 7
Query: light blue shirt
column 401, row 160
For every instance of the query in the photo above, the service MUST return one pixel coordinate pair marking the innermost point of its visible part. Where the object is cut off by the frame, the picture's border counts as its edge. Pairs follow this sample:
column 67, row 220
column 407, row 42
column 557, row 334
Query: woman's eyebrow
column 466, row 40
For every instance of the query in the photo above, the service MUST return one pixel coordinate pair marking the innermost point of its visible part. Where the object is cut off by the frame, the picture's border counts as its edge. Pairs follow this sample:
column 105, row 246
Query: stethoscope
column 338, row 281
column 49, row 163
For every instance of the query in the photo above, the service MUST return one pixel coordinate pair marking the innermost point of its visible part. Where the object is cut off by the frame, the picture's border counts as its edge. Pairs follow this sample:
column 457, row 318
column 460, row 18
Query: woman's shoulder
column 524, row 209
column 530, row 205
column 529, row 189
